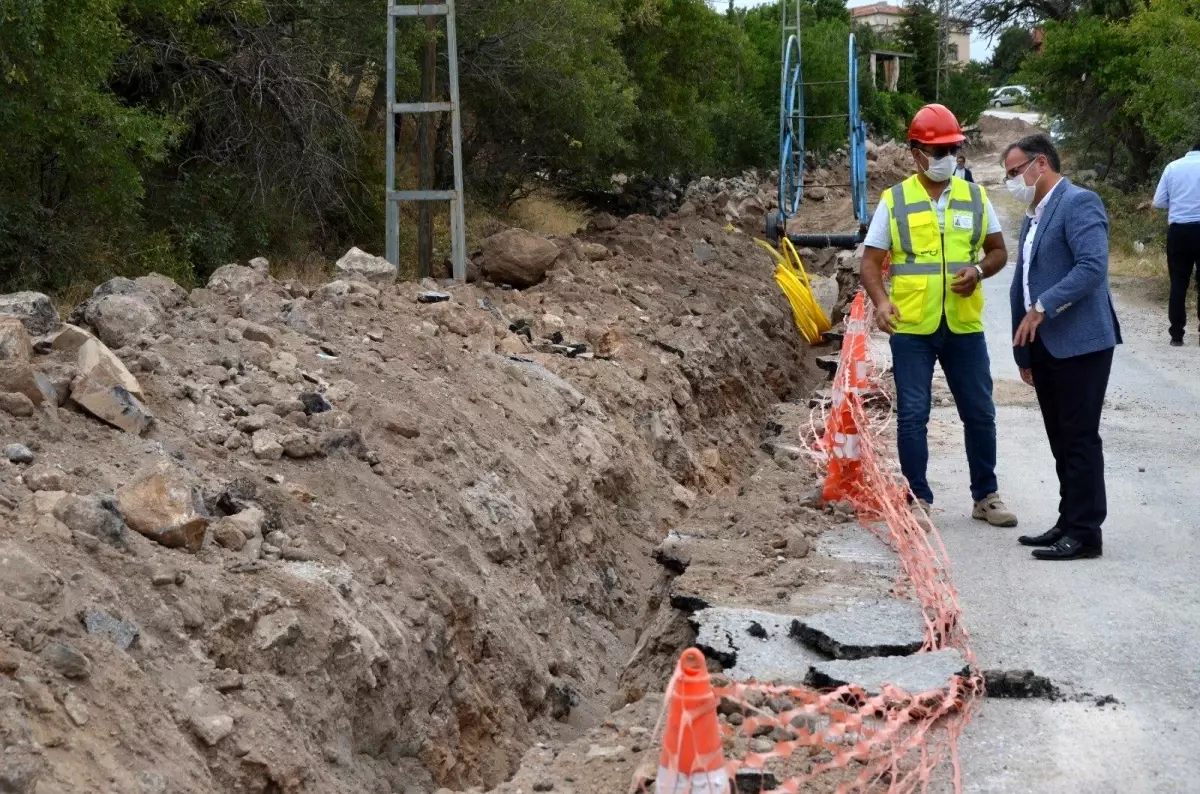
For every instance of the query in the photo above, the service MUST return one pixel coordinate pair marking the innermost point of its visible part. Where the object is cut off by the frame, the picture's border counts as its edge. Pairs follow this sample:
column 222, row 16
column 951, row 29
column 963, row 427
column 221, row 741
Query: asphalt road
column 1126, row 625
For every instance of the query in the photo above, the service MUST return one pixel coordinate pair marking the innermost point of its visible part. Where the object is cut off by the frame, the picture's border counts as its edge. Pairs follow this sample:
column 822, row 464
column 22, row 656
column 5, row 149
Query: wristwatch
column 1037, row 307
column 979, row 270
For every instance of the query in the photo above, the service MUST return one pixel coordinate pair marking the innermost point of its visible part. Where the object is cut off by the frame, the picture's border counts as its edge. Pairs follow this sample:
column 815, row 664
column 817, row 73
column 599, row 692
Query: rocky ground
column 266, row 536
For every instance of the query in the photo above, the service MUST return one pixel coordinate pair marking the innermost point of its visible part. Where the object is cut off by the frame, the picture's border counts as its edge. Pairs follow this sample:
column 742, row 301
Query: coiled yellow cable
column 793, row 280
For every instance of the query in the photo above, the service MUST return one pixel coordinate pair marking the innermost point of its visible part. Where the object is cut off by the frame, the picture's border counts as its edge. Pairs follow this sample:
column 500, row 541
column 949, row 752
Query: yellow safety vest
column 925, row 258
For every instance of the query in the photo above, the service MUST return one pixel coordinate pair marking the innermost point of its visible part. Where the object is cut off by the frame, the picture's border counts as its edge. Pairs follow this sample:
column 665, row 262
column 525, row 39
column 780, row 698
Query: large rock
column 65, row 659
column 16, row 404
column 518, row 258
column 164, row 504
column 121, row 319
column 825, row 292
column 302, row 317
column 358, row 265
column 123, row 633
column 91, row 515
column 24, row 578
column 70, row 338
column 35, row 311
column 885, row 628
column 338, row 293
column 916, row 674
column 14, row 340
column 20, row 377
column 95, row 361
column 115, row 405
column 236, row 280
column 105, row 388
column 169, row 293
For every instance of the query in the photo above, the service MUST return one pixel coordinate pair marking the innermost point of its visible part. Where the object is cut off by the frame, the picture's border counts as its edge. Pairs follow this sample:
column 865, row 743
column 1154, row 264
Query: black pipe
column 846, row 240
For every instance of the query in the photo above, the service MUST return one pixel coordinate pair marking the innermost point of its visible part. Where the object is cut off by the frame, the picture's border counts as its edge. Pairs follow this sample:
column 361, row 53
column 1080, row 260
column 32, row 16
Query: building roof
column 887, row 9
column 876, row 8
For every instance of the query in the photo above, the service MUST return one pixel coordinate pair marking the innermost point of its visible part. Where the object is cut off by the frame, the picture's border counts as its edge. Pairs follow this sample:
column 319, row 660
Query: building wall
column 881, row 21
column 961, row 40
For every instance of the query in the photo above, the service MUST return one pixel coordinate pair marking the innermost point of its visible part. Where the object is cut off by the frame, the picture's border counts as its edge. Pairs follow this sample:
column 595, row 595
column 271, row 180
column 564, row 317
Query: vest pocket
column 908, row 293
column 926, row 238
column 970, row 310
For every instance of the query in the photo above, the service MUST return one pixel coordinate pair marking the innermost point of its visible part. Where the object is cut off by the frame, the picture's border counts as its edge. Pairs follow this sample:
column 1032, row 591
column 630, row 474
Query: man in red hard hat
column 944, row 239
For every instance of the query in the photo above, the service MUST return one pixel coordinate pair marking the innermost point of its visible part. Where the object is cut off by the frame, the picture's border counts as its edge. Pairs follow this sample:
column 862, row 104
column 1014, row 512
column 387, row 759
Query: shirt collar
column 1040, row 208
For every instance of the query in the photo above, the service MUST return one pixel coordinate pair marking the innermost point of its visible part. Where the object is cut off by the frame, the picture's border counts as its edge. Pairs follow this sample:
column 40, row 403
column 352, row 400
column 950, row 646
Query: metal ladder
column 458, row 229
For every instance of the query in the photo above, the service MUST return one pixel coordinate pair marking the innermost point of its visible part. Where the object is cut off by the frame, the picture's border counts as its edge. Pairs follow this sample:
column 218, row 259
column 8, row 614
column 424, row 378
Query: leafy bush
column 965, row 91
column 888, row 114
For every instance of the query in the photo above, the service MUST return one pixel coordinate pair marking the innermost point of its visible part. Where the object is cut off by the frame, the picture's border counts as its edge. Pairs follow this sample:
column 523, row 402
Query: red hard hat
column 935, row 125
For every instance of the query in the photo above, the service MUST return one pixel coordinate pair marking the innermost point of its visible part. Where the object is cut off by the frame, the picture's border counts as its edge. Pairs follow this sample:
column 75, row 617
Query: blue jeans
column 964, row 359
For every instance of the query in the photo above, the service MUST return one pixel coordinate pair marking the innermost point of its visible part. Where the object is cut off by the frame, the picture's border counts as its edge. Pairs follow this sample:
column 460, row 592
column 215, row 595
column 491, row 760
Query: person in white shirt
column 961, row 171
column 1179, row 193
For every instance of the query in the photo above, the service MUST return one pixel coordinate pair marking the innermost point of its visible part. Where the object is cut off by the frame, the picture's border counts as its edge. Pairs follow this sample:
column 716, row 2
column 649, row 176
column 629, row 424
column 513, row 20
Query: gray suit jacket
column 1069, row 274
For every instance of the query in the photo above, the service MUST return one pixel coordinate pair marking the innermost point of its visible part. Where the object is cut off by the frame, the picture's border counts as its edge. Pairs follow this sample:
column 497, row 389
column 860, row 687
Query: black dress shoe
column 1047, row 538
column 1176, row 343
column 1068, row 548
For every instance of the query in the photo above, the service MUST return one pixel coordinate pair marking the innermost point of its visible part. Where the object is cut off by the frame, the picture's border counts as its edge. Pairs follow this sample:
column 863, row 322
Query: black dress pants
column 1071, row 392
column 1183, row 257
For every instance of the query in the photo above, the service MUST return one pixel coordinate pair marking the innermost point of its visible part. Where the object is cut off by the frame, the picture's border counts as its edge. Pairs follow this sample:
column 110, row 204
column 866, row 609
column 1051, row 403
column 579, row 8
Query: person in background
column 1064, row 332
column 961, row 171
column 944, row 239
column 1179, row 193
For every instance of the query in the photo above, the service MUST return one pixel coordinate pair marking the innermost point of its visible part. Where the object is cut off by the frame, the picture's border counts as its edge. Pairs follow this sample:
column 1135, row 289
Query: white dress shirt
column 1179, row 190
column 1035, row 217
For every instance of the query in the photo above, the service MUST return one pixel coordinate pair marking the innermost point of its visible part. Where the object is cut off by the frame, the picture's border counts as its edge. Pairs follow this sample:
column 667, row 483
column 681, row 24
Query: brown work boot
column 921, row 511
column 992, row 509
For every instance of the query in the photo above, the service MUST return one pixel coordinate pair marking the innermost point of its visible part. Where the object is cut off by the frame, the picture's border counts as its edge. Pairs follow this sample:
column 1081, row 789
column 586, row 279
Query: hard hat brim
column 949, row 139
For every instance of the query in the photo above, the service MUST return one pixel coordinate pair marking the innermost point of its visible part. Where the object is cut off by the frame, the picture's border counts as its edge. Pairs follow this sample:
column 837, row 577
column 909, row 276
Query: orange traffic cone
column 692, row 759
column 841, row 434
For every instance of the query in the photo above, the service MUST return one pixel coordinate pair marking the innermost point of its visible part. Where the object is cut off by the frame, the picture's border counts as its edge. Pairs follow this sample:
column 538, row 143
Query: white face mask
column 1021, row 191
column 940, row 168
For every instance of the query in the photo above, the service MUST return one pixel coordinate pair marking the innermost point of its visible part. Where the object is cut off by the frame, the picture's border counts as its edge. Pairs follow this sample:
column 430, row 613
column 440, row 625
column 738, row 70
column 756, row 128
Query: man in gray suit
column 1064, row 332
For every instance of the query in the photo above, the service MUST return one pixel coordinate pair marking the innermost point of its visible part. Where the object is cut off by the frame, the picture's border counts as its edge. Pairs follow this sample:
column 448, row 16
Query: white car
column 1009, row 95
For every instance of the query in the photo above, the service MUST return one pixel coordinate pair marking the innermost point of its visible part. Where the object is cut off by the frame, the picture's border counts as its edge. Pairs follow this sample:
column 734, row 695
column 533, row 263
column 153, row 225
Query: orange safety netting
column 793, row 738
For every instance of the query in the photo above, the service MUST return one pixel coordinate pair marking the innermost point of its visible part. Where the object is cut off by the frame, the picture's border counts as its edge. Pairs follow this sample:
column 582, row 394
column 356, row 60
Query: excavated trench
column 406, row 583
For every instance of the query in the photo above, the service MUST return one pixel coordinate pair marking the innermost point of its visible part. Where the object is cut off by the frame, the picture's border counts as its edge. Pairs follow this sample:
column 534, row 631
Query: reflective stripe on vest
column 924, row 257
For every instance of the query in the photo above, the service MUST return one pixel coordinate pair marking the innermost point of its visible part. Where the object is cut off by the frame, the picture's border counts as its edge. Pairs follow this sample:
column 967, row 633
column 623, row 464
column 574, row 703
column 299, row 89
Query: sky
column 981, row 48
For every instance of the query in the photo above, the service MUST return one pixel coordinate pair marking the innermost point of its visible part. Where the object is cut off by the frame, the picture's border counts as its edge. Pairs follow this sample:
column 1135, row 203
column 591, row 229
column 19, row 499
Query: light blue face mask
column 941, row 168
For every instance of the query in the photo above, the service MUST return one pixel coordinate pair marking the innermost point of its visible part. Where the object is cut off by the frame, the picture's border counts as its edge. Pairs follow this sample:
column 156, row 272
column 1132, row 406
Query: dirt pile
column 997, row 133
column 358, row 537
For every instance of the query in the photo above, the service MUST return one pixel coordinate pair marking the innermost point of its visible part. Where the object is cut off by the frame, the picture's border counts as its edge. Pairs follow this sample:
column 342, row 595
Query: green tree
column 1086, row 76
column 73, row 152
column 546, row 91
column 1012, row 49
column 1166, row 97
column 965, row 91
column 917, row 34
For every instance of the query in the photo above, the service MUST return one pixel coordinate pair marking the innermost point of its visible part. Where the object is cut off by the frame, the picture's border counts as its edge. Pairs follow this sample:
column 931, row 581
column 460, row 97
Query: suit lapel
column 1044, row 222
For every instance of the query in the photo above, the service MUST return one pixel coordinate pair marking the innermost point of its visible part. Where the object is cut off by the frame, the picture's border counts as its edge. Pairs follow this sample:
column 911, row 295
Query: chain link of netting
column 783, row 738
